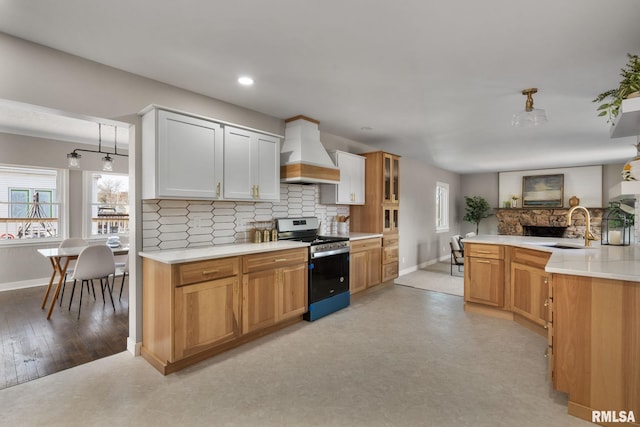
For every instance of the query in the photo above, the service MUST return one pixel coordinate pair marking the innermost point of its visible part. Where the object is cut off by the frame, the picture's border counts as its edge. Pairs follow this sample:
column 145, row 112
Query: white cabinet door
column 189, row 157
column 251, row 165
column 350, row 190
column 268, row 167
column 238, row 164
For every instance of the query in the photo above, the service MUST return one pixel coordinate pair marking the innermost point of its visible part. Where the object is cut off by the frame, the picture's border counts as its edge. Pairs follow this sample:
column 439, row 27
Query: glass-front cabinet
column 390, row 219
column 391, row 178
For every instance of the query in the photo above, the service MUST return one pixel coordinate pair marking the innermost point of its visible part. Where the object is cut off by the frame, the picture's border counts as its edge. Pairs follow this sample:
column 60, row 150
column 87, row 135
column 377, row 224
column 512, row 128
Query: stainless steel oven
column 328, row 265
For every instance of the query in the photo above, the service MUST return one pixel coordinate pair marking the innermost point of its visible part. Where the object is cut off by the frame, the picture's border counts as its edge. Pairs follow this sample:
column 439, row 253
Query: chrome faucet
column 588, row 237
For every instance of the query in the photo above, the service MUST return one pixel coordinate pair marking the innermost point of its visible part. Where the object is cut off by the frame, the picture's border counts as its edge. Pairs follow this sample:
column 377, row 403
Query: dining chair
column 72, row 242
column 94, row 262
column 122, row 268
column 457, row 252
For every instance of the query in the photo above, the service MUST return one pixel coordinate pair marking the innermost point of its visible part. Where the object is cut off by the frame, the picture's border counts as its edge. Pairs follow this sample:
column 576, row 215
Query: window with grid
column 30, row 205
column 107, row 206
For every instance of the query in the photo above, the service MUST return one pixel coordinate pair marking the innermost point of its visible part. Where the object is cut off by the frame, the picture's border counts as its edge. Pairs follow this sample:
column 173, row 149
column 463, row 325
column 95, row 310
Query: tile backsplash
column 174, row 224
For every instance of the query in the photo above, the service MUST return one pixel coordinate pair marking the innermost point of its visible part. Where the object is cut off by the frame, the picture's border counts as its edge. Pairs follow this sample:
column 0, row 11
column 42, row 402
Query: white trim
column 422, row 265
column 21, row 284
column 134, row 347
column 442, row 188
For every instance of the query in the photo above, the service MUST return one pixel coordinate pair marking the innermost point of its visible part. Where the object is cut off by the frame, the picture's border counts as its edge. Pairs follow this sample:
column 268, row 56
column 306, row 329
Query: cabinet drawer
column 363, row 245
column 257, row 262
column 389, row 271
column 481, row 250
column 389, row 254
column 200, row 271
column 390, row 240
column 530, row 257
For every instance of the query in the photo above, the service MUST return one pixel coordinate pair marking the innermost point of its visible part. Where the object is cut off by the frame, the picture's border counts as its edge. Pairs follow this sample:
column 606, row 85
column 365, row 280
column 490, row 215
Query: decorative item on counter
column 342, row 224
column 631, row 170
column 257, row 235
column 507, row 204
column 514, row 200
column 266, row 235
column 574, row 201
column 274, row 234
column 617, row 225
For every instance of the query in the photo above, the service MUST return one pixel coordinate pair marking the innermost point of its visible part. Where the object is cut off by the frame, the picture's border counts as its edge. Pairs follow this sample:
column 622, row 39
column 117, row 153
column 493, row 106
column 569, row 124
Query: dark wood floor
column 32, row 346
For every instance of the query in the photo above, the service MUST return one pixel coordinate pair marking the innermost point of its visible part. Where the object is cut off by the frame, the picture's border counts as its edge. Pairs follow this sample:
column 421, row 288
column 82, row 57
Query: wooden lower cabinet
column 273, row 295
column 192, row 311
column 484, row 281
column 529, row 291
column 390, row 256
column 206, row 314
column 364, row 264
column 596, row 345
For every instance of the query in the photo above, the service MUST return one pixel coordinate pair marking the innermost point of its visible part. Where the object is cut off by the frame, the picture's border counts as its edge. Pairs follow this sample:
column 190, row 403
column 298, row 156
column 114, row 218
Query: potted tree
column 477, row 209
column 611, row 100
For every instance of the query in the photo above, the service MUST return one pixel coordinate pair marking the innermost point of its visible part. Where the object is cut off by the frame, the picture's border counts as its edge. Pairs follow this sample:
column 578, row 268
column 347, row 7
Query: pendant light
column 530, row 116
column 73, row 158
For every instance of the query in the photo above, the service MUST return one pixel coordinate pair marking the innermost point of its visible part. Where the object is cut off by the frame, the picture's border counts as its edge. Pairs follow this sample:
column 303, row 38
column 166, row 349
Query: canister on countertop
column 257, row 236
column 266, row 235
column 274, row 234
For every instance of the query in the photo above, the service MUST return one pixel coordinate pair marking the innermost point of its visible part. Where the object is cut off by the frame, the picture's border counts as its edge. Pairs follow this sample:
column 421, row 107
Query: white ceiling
column 436, row 81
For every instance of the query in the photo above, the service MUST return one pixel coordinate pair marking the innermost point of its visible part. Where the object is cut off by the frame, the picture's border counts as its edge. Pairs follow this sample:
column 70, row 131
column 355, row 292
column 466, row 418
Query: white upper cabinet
column 350, row 190
column 251, row 165
column 628, row 120
column 181, row 156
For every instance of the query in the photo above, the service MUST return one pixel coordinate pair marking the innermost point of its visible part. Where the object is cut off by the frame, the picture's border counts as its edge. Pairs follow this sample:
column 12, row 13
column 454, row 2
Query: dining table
column 59, row 259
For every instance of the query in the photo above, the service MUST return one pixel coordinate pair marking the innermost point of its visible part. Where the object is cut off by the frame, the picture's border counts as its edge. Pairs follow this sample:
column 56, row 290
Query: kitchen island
column 586, row 301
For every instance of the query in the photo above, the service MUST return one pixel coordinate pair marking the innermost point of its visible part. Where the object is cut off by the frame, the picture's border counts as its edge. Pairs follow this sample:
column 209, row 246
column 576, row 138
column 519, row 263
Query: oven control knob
column 341, row 279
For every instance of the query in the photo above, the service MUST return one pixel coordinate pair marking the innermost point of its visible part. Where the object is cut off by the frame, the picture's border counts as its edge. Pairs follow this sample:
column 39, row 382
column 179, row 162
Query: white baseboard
column 133, row 347
column 422, row 265
column 23, row 284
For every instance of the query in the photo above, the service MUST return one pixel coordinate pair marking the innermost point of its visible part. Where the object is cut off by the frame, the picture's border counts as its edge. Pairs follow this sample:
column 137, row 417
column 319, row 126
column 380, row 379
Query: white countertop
column 176, row 256
column 602, row 261
column 355, row 236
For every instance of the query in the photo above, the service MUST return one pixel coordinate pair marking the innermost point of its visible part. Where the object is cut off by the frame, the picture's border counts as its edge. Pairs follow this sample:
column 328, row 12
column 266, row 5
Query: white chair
column 94, row 262
column 457, row 252
column 72, row 242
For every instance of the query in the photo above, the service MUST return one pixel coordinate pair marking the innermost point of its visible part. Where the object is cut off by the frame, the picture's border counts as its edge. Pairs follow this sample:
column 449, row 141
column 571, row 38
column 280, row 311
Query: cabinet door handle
column 546, row 325
column 257, row 191
column 484, row 252
column 218, row 190
column 279, row 260
column 546, row 302
column 481, row 261
column 546, row 353
column 205, row 272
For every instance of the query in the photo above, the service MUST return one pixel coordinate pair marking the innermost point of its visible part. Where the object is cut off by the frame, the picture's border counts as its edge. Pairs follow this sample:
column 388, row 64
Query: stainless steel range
column 328, row 265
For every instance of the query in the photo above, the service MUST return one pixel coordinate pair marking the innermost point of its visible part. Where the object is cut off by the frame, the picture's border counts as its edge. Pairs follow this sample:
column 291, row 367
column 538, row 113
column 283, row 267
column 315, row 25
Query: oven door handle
column 329, row 253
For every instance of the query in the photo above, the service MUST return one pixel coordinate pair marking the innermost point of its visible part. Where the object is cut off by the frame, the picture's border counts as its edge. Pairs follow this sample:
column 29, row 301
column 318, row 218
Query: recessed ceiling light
column 245, row 80
column 366, row 128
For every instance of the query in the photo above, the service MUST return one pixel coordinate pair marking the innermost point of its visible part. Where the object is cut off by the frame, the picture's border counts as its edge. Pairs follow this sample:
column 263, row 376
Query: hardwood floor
column 32, row 346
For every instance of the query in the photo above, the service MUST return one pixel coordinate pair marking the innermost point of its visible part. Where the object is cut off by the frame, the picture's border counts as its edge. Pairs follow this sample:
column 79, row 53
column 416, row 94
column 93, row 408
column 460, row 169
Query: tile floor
column 397, row 356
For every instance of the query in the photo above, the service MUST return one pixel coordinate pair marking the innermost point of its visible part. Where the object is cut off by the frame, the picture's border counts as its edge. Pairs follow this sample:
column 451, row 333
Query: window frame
column 88, row 204
column 59, row 199
column 442, row 207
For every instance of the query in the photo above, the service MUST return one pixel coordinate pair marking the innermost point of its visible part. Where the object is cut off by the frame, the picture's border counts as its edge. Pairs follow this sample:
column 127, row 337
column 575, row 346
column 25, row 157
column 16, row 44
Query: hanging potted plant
column 611, row 100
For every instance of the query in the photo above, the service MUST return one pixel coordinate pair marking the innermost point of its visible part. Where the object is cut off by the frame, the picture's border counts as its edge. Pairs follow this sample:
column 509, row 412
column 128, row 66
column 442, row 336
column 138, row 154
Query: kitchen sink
column 566, row 246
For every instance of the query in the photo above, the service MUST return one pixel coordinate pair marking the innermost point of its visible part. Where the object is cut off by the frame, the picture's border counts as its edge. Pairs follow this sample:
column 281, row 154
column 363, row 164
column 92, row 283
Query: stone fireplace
column 551, row 222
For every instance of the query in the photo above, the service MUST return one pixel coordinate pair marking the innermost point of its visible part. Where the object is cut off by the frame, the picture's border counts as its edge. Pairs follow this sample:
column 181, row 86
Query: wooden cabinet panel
column 259, row 295
column 484, row 281
column 389, row 271
column 206, row 314
column 358, row 271
column 389, row 254
column 194, row 272
column 364, row 244
column 529, row 292
column 374, row 272
column 482, row 250
column 270, row 260
column 293, row 292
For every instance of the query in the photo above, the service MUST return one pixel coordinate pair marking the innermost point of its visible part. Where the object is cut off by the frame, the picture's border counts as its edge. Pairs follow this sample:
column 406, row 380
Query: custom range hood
column 303, row 159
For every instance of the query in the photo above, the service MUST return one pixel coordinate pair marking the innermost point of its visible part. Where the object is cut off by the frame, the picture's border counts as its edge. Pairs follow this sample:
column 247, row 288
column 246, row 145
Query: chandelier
column 530, row 116
column 73, row 158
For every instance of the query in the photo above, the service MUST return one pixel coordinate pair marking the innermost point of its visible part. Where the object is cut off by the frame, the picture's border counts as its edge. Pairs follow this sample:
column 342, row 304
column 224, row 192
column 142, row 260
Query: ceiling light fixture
column 245, row 81
column 73, row 158
column 530, row 116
